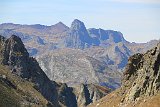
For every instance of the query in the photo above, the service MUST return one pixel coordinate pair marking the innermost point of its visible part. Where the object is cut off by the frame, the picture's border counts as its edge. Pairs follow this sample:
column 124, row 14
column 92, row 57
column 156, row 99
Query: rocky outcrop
column 143, row 74
column 140, row 84
column 17, row 58
column 89, row 93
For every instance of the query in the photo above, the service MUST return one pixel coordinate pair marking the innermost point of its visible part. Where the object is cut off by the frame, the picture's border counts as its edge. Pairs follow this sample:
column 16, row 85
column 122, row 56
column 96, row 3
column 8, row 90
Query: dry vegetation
column 15, row 91
column 114, row 99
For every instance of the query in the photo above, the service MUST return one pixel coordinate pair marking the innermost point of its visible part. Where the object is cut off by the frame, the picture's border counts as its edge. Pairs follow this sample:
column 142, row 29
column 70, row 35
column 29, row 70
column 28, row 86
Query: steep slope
column 16, row 92
column 74, row 67
column 29, row 85
column 140, row 85
column 15, row 56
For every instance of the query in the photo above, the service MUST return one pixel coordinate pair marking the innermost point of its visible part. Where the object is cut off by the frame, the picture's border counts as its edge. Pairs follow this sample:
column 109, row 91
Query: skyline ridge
column 136, row 19
column 62, row 23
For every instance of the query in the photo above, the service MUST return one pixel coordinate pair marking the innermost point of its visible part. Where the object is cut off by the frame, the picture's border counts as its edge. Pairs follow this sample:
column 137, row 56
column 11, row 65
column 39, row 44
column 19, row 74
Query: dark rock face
column 66, row 95
column 133, row 64
column 89, row 93
column 17, row 58
column 2, row 39
column 78, row 36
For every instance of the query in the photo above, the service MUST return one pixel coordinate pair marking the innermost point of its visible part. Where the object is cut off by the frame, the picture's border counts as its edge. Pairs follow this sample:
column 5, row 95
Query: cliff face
column 78, row 36
column 89, row 93
column 16, row 57
column 75, row 67
column 22, row 76
column 141, row 82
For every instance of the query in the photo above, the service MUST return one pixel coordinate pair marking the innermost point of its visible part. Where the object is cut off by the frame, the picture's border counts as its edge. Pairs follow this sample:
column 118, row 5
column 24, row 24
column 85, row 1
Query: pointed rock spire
column 78, row 36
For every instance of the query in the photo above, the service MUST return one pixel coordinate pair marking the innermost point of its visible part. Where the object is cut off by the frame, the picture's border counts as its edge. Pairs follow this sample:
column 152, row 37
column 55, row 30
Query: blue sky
column 138, row 20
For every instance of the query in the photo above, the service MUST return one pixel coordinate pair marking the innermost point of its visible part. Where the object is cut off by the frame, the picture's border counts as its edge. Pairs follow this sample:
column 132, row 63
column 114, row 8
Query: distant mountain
column 69, row 65
column 78, row 36
column 140, row 84
column 107, row 47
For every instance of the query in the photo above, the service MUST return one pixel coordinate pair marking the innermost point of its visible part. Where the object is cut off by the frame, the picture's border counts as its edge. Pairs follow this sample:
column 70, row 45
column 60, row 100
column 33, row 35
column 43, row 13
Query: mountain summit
column 78, row 25
column 78, row 36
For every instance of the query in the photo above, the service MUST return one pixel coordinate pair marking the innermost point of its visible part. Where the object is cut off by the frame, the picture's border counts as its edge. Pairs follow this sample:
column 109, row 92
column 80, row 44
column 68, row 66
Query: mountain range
column 60, row 66
column 24, row 83
column 76, row 55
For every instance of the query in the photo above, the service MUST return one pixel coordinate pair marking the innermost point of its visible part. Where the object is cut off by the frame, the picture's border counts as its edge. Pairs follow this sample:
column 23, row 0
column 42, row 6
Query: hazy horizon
column 138, row 20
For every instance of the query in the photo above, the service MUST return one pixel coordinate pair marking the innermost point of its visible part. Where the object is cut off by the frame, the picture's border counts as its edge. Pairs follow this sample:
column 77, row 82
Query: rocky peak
column 15, row 56
column 15, row 44
column 58, row 28
column 60, row 25
column 78, row 25
column 78, row 36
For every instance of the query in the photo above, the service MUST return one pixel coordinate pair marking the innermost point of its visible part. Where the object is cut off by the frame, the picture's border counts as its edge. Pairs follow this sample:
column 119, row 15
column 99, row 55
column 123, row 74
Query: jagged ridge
column 141, row 83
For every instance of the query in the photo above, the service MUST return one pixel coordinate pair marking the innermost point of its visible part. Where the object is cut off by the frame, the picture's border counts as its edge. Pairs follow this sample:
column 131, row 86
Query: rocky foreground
column 140, row 84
